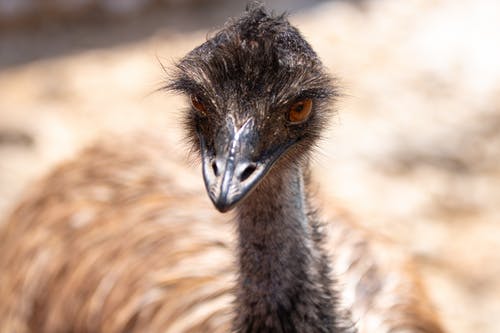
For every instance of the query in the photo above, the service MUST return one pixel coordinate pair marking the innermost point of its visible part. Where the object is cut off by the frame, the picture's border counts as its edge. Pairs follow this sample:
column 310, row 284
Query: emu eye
column 299, row 111
column 198, row 105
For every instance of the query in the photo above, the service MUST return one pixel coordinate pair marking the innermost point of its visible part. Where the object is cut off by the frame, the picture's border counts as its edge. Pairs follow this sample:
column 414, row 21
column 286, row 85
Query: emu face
column 258, row 93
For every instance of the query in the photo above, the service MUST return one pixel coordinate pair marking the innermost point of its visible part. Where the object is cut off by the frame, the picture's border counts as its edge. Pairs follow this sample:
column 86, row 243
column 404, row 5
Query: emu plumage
column 111, row 242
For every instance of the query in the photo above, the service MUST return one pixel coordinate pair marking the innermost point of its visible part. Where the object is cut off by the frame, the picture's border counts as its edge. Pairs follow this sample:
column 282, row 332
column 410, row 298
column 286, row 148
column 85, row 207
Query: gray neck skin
column 283, row 283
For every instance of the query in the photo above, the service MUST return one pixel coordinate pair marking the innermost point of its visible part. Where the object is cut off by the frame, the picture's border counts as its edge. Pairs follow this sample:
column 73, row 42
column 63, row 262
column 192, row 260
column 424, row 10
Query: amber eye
column 195, row 102
column 299, row 111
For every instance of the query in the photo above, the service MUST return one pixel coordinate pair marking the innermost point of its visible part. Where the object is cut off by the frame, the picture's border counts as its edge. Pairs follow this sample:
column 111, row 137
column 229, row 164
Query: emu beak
column 229, row 172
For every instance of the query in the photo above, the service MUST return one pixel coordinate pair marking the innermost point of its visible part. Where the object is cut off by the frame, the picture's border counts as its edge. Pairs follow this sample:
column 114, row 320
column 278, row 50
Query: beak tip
column 223, row 208
column 220, row 195
column 222, row 205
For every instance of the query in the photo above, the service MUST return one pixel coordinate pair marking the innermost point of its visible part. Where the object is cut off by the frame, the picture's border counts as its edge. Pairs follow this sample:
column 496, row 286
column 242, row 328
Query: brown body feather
column 123, row 239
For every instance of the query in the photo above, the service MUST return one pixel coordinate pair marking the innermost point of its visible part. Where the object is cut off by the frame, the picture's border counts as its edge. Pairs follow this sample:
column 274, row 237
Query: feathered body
column 124, row 239
column 116, row 241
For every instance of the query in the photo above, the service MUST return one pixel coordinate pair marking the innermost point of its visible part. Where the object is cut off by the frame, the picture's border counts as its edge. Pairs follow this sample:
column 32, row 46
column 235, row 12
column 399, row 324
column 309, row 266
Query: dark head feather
column 256, row 66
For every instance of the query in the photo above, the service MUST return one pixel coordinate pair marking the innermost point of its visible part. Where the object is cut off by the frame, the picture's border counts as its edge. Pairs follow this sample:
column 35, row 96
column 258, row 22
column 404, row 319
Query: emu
column 115, row 241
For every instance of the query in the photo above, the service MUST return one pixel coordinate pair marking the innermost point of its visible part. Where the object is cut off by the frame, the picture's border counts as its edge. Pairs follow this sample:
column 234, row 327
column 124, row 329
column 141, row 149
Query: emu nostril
column 214, row 167
column 247, row 172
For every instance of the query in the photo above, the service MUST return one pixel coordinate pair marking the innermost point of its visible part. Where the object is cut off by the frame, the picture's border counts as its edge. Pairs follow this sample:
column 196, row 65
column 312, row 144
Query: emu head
column 259, row 98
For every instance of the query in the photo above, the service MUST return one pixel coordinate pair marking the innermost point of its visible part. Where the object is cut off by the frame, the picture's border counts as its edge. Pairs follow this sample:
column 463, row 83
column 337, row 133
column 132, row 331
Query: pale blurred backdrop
column 414, row 152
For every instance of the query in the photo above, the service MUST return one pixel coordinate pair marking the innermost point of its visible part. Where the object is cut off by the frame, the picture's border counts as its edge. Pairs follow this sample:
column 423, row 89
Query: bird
column 122, row 238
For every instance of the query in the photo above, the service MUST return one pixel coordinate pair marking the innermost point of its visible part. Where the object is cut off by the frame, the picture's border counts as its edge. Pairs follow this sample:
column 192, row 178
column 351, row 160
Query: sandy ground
column 412, row 154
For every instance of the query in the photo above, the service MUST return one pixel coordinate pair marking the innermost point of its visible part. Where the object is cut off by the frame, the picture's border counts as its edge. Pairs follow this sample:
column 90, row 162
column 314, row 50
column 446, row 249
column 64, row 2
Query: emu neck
column 283, row 283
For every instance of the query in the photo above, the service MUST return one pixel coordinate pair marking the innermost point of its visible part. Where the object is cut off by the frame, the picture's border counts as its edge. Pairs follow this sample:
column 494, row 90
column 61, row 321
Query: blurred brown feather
column 121, row 239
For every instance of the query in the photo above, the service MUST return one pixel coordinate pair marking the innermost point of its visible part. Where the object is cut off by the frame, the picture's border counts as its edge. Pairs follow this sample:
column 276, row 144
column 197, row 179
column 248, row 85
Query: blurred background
column 414, row 152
